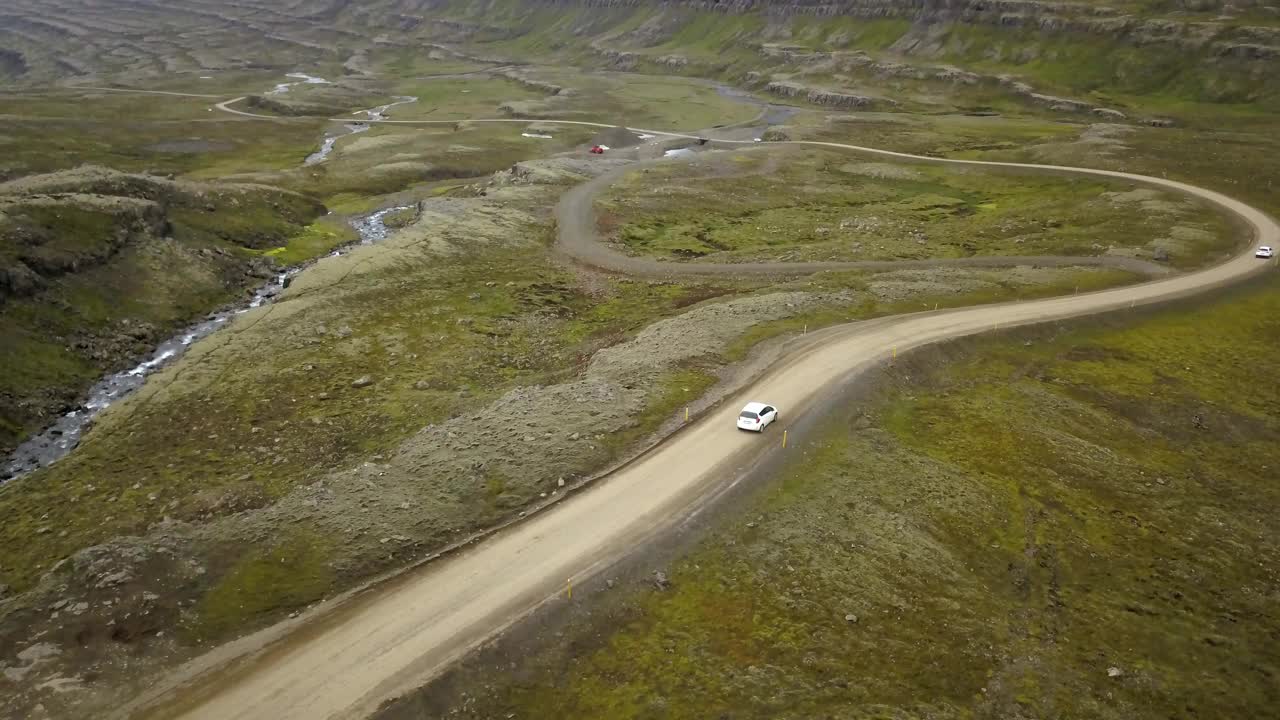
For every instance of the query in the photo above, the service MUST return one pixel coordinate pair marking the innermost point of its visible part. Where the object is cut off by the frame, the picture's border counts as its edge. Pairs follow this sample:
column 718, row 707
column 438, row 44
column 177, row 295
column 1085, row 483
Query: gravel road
column 342, row 659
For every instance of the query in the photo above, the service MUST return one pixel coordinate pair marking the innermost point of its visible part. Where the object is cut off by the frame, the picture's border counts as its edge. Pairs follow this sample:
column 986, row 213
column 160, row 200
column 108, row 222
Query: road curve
column 348, row 657
column 577, row 238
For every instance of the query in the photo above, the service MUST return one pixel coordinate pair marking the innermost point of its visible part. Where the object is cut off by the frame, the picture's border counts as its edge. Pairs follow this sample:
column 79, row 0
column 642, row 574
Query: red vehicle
column 598, row 149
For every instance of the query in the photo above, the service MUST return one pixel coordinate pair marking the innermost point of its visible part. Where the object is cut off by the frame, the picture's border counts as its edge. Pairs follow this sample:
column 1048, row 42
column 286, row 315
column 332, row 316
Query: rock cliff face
column 43, row 238
column 830, row 98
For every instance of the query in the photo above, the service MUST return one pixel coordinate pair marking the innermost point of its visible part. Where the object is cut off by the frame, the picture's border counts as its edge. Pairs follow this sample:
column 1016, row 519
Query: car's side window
column 768, row 409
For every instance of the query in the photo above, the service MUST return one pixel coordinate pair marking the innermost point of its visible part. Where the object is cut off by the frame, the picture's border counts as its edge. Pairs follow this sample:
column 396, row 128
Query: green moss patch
column 291, row 573
column 819, row 206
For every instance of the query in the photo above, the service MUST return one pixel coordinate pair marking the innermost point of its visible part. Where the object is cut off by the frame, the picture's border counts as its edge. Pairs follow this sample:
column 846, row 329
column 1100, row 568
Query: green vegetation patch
column 316, row 239
column 92, row 280
column 291, row 573
column 1075, row 524
column 829, row 206
column 239, row 426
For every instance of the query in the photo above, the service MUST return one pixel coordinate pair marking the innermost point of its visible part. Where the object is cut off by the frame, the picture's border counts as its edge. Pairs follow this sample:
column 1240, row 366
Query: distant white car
column 1264, row 252
column 756, row 416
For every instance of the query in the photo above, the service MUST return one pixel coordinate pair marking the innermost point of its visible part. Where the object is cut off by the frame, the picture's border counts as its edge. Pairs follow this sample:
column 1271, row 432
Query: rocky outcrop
column 101, row 264
column 44, row 237
column 534, row 84
column 1247, row 51
column 1053, row 102
column 830, row 98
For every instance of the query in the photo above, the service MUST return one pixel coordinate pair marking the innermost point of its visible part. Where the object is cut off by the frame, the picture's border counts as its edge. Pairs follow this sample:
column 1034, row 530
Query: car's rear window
column 749, row 415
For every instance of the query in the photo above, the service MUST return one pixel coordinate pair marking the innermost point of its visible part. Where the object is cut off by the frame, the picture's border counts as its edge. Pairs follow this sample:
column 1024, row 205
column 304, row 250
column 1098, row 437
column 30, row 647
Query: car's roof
column 754, row 407
column 1265, row 247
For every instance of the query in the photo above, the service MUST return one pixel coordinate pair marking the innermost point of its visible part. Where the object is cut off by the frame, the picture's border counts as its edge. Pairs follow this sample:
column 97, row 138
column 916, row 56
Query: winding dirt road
column 577, row 237
column 341, row 660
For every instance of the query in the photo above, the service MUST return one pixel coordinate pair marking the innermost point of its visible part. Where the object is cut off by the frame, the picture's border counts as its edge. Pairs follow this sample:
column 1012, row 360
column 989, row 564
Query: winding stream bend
column 60, row 438
column 374, row 114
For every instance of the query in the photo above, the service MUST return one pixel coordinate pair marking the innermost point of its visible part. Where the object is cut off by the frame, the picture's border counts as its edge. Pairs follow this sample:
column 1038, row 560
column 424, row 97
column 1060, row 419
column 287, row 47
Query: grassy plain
column 822, row 205
column 1064, row 523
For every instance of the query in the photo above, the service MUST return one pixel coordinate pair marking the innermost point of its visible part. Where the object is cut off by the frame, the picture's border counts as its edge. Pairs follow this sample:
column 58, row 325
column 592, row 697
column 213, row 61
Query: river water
column 378, row 113
column 64, row 434
column 773, row 114
column 299, row 79
column 60, row 438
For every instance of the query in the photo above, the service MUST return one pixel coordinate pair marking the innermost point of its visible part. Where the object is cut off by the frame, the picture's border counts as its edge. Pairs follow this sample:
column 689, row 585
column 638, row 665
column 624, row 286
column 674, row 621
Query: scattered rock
column 559, row 483
column 851, row 618
column 1160, row 255
column 362, row 381
column 1114, row 672
column 422, row 385
column 660, row 580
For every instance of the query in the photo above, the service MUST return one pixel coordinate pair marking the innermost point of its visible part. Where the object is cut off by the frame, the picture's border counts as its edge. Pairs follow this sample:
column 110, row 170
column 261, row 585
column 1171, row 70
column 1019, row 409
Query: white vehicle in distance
column 1264, row 252
column 756, row 416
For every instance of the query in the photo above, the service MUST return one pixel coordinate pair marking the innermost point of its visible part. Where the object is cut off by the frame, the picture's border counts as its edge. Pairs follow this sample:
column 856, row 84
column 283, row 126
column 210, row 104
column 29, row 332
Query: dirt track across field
column 342, row 659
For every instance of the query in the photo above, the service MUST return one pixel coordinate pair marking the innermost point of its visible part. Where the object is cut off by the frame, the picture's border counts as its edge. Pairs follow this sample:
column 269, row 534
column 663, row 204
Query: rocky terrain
column 96, row 266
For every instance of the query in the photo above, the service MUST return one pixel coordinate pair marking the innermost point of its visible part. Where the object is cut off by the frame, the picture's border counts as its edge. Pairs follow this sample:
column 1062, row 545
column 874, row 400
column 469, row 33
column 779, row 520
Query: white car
column 1264, row 252
column 756, row 416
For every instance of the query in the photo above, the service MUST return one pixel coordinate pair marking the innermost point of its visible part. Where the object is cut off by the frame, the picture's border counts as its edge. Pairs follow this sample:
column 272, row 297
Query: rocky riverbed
column 60, row 438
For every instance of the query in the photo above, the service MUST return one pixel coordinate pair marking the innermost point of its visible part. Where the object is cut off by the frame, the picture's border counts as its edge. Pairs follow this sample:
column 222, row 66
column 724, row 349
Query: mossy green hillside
column 1068, row 524
column 1120, row 62
column 290, row 572
column 240, row 427
column 48, row 132
column 95, row 280
column 832, row 206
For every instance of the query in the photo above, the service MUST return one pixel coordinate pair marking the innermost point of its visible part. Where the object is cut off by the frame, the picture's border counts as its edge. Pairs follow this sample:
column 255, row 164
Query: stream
column 773, row 114
column 60, row 438
column 300, row 79
column 378, row 113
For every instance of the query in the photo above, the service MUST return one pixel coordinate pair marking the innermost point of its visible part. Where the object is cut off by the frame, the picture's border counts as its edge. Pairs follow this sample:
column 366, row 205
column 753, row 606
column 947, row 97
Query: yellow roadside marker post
column 784, row 439
column 570, row 581
column 686, row 414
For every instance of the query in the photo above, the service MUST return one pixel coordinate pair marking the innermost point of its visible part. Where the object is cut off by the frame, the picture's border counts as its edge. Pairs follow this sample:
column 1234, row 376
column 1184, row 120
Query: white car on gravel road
column 756, row 416
column 1264, row 252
